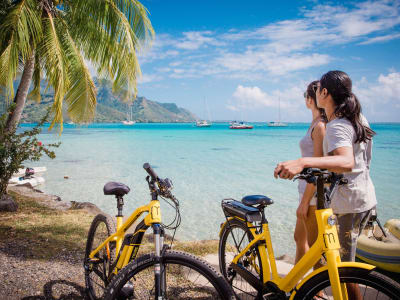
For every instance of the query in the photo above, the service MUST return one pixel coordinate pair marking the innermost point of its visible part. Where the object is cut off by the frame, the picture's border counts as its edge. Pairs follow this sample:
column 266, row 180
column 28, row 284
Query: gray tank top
column 307, row 150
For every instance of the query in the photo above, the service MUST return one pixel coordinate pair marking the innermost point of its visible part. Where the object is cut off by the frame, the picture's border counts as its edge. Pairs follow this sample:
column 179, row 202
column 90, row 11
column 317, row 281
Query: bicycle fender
column 226, row 222
column 325, row 268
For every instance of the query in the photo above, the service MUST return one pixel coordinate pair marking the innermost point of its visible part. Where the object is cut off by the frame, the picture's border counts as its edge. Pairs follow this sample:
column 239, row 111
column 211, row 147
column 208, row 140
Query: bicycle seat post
column 120, row 216
column 120, row 205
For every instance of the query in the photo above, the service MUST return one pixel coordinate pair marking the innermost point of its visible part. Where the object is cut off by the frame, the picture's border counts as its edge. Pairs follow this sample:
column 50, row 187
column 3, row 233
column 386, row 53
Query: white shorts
column 313, row 200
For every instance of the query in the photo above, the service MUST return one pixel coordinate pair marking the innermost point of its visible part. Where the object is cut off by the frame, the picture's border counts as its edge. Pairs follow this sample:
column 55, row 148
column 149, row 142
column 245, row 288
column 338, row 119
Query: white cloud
column 193, row 40
column 277, row 48
column 146, row 78
column 270, row 62
column 380, row 99
column 252, row 98
column 380, row 39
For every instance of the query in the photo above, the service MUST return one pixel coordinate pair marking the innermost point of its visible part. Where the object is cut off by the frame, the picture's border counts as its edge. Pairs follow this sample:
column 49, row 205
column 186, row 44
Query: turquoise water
column 205, row 165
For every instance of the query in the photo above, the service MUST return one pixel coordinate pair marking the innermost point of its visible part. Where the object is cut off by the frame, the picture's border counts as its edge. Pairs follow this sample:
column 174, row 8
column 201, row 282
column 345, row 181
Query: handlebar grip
column 150, row 171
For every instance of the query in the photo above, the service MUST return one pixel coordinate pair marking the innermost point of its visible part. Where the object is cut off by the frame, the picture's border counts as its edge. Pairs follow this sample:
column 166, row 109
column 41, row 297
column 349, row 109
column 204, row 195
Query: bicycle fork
column 159, row 272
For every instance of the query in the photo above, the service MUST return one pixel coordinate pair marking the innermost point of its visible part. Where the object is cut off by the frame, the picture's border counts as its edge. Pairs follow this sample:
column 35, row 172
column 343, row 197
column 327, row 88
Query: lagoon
column 206, row 165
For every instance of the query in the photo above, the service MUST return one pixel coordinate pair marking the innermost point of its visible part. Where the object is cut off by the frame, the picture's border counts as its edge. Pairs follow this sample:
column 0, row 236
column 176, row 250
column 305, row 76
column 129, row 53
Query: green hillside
column 110, row 109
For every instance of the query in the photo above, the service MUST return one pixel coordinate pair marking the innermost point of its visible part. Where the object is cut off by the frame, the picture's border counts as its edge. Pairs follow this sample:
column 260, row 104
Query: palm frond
column 81, row 95
column 20, row 32
column 23, row 24
column 124, row 28
column 55, row 65
column 9, row 67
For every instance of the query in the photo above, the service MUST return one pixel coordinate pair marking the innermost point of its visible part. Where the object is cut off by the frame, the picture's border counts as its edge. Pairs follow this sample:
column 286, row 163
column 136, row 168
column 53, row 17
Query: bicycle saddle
column 116, row 188
column 257, row 200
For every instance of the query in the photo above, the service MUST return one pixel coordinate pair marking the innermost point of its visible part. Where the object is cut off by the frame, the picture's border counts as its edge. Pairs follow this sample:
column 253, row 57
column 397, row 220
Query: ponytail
column 339, row 85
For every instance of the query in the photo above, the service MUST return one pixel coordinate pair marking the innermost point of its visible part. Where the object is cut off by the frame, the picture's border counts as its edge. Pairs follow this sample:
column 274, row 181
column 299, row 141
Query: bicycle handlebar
column 150, row 171
column 164, row 185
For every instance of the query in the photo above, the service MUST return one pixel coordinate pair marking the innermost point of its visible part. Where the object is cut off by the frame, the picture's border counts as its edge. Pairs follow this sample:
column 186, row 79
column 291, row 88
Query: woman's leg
column 312, row 230
column 300, row 237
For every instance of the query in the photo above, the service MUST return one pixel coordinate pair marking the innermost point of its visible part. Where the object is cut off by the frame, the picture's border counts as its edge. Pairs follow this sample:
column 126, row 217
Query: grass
column 41, row 232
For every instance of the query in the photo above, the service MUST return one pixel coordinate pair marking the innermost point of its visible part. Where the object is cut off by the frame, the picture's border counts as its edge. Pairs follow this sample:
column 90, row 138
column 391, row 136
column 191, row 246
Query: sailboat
column 204, row 123
column 279, row 123
column 129, row 120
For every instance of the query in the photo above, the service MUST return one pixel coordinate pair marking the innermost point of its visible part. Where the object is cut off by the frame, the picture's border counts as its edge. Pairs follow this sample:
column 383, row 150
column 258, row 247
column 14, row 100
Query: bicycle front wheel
column 367, row 284
column 186, row 277
column 97, row 270
column 234, row 238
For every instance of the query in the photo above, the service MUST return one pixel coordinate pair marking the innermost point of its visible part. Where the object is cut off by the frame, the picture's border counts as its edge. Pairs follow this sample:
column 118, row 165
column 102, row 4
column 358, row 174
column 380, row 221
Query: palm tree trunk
column 22, row 92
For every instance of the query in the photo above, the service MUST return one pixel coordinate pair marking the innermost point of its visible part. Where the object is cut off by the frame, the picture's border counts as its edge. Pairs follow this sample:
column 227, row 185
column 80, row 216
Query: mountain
column 110, row 109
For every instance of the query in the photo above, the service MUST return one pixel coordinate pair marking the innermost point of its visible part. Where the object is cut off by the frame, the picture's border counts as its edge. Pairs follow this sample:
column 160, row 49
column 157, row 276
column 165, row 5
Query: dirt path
column 23, row 277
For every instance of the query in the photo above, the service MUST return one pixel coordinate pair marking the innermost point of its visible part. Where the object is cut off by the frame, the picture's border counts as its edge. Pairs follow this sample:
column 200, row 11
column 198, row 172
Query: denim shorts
column 349, row 229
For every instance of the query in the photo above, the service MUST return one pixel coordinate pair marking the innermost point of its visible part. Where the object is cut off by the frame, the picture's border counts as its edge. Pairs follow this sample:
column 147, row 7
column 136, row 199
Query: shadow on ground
column 60, row 290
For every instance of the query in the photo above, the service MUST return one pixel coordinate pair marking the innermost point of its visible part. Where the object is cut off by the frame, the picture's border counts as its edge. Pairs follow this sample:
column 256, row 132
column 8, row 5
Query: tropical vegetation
column 17, row 147
column 53, row 40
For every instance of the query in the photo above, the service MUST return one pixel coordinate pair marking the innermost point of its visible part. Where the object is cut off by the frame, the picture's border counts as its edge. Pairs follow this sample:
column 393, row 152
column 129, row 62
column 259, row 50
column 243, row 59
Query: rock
column 286, row 258
column 7, row 203
column 87, row 206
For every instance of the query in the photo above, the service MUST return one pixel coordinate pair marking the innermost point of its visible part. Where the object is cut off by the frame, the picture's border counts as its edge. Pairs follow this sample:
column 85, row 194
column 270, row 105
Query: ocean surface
column 206, row 165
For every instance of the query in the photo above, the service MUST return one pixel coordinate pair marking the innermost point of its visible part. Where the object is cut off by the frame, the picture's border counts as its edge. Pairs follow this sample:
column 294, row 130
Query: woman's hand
column 288, row 169
column 302, row 210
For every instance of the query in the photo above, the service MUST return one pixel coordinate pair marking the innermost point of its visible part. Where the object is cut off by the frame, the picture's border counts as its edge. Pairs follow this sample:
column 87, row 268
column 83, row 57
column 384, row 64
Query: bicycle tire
column 206, row 283
column 96, row 274
column 372, row 284
column 240, row 286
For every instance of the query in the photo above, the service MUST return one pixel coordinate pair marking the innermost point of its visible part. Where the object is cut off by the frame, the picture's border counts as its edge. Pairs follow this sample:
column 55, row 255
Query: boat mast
column 279, row 109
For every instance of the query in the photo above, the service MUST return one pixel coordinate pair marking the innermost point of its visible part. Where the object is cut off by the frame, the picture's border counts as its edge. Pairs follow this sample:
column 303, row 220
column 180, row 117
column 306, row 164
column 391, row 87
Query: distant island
column 110, row 109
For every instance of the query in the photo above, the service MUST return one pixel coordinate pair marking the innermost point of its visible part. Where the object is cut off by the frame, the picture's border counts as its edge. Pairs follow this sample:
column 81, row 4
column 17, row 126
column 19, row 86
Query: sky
column 240, row 59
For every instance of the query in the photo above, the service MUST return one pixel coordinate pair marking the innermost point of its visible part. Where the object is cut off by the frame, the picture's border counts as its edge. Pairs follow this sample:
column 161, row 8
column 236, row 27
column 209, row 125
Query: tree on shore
column 53, row 40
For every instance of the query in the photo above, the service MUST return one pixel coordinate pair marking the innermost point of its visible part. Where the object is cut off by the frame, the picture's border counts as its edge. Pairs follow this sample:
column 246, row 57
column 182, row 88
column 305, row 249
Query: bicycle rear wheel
column 98, row 269
column 234, row 238
column 186, row 277
column 371, row 285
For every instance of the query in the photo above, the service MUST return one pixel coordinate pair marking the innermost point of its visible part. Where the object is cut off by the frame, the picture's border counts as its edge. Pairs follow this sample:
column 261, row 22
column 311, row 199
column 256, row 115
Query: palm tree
column 53, row 40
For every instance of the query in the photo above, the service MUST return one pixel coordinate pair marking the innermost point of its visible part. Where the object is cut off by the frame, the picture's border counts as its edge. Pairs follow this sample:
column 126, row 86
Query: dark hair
column 311, row 93
column 339, row 86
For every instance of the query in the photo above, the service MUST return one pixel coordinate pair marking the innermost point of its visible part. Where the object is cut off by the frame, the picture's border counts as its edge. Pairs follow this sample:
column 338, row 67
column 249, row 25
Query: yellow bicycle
column 247, row 259
column 113, row 270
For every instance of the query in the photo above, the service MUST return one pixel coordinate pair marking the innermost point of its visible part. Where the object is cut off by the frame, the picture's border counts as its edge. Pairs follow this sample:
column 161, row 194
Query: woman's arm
column 341, row 161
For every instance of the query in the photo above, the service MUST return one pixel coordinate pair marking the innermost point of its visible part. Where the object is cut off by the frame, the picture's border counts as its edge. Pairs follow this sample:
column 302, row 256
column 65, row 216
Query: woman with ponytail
column 347, row 149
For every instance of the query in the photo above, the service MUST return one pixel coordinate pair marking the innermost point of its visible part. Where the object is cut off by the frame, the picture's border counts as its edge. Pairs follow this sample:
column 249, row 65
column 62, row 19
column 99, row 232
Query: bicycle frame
column 130, row 251
column 327, row 243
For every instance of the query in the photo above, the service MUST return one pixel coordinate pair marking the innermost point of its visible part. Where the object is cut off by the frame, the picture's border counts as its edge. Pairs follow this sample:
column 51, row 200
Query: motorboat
column 380, row 246
column 36, row 170
column 31, row 181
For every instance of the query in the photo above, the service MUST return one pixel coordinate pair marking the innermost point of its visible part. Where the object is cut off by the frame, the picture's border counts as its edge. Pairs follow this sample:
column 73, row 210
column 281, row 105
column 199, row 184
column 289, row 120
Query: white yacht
column 279, row 123
column 129, row 120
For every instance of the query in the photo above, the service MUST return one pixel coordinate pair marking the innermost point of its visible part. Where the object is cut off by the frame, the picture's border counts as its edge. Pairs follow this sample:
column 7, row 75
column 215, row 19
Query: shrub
column 19, row 146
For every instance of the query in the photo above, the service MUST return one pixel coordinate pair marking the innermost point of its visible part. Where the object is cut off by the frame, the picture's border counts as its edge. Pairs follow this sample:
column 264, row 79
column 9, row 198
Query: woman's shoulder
column 318, row 129
column 339, row 122
column 340, row 127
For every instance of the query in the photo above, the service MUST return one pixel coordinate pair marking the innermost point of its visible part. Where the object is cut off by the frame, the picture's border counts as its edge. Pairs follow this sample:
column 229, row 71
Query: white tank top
column 307, row 150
